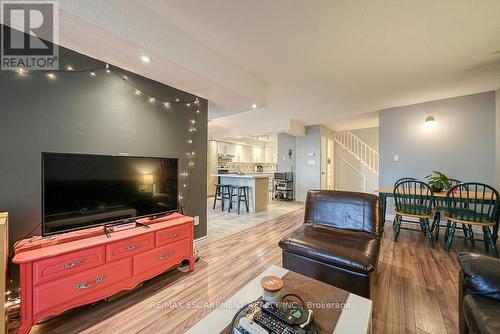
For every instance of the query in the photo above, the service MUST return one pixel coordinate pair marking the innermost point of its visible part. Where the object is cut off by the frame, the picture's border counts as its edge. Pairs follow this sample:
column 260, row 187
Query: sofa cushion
column 346, row 249
column 481, row 314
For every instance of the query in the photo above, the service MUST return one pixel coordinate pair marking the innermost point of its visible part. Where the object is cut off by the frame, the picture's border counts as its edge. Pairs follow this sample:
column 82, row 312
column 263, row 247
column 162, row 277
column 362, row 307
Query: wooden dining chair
column 472, row 204
column 439, row 207
column 413, row 199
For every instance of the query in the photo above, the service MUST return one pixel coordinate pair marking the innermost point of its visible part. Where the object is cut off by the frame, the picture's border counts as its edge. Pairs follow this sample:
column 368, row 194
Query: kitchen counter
column 258, row 189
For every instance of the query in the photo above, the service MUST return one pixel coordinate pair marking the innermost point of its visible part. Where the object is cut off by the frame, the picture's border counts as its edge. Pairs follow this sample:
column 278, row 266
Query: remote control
column 280, row 313
column 251, row 327
column 273, row 324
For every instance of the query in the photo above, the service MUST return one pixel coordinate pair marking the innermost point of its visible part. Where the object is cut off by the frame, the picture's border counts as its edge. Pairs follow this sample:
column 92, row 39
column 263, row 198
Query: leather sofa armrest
column 480, row 275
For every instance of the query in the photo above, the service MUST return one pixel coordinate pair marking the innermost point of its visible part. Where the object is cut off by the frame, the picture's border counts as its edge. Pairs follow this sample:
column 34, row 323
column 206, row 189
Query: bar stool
column 222, row 192
column 241, row 195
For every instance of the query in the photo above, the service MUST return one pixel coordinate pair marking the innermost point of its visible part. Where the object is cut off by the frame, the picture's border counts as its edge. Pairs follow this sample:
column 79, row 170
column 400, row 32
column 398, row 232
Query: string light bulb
column 193, row 121
column 20, row 71
column 51, row 75
column 177, row 100
column 92, row 73
column 197, row 111
column 152, row 100
column 125, row 77
column 69, row 68
column 254, row 106
column 108, row 70
column 188, row 104
column 166, row 104
column 137, row 92
column 190, row 141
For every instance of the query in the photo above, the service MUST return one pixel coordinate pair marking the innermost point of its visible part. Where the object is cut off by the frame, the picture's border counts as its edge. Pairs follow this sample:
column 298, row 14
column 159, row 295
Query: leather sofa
column 339, row 242
column 478, row 294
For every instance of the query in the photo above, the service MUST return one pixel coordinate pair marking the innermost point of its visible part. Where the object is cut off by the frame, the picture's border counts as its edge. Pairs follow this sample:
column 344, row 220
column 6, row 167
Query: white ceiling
column 331, row 62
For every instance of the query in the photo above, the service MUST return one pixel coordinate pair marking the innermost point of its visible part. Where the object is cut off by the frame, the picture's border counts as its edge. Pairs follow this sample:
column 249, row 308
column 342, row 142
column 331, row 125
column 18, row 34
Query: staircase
column 359, row 149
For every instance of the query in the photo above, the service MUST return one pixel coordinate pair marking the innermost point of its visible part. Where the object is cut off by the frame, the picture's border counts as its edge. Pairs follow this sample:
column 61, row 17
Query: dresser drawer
column 67, row 264
column 81, row 288
column 124, row 248
column 171, row 234
column 161, row 258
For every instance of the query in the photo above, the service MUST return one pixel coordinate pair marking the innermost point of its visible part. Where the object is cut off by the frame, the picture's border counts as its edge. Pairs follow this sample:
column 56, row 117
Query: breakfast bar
column 258, row 188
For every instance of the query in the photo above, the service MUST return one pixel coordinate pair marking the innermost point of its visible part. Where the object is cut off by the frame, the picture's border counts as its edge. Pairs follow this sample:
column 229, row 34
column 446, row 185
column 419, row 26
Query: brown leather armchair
column 339, row 242
column 478, row 294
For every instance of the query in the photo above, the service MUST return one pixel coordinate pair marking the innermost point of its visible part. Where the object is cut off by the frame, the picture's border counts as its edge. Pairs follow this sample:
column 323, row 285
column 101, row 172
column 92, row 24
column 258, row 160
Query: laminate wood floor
column 417, row 290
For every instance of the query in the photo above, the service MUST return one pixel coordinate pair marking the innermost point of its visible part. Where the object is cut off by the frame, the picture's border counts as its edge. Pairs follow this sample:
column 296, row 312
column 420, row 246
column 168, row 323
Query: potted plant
column 438, row 181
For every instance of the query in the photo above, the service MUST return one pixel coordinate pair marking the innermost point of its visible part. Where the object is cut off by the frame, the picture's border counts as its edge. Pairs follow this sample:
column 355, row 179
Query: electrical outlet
column 196, row 220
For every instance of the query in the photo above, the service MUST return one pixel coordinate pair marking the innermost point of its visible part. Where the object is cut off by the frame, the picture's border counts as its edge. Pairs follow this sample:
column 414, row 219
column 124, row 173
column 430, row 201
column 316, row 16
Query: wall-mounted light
column 145, row 59
column 430, row 122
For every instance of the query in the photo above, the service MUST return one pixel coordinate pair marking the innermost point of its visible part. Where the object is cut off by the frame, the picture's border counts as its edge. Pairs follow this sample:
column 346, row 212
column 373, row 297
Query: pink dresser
column 79, row 268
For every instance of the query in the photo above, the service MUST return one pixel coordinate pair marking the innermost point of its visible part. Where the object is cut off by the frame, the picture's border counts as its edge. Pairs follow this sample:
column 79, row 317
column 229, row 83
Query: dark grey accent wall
column 462, row 145
column 80, row 113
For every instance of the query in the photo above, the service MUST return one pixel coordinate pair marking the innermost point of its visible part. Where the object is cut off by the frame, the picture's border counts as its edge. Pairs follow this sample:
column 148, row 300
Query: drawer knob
column 72, row 264
column 133, row 246
column 86, row 285
column 162, row 257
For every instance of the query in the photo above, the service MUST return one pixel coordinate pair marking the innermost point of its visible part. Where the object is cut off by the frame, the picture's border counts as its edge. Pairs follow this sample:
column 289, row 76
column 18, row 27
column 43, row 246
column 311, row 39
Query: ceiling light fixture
column 145, row 59
column 254, row 106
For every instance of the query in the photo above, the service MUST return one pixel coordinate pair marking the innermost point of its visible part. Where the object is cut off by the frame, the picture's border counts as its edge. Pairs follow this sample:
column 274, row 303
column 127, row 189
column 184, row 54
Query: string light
column 151, row 99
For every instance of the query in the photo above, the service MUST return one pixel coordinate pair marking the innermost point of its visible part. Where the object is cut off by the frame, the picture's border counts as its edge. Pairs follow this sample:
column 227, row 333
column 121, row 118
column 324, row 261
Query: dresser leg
column 191, row 263
column 24, row 329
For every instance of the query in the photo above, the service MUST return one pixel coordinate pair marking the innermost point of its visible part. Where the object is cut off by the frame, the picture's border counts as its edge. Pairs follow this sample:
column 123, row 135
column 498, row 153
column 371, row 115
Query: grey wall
column 497, row 139
column 308, row 149
column 462, row 145
column 83, row 114
column 286, row 142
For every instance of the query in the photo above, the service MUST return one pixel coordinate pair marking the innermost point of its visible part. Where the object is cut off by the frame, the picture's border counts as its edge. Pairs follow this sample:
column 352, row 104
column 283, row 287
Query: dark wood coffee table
column 335, row 310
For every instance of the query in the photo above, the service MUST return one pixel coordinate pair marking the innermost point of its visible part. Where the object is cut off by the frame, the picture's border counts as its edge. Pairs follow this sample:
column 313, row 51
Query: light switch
column 311, row 162
column 395, row 158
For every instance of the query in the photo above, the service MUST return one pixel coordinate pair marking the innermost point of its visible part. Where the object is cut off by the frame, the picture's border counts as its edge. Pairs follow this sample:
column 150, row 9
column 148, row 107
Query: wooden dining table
column 386, row 192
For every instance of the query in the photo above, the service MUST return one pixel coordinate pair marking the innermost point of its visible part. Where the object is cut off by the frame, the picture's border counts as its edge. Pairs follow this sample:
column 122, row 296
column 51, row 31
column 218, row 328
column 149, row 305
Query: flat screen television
column 82, row 190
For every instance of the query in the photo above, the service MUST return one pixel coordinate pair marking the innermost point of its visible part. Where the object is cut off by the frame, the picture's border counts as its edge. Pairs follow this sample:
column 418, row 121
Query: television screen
column 80, row 190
